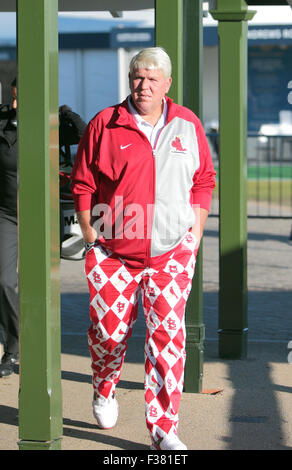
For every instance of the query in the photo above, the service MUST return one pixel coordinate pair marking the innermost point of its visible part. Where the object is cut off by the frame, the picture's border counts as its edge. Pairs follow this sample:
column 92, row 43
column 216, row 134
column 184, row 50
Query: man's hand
column 88, row 232
column 201, row 218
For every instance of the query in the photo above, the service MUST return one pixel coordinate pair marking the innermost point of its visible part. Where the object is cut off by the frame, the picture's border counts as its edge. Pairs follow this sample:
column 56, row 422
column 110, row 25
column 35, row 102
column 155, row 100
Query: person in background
column 8, row 233
column 142, row 183
column 70, row 131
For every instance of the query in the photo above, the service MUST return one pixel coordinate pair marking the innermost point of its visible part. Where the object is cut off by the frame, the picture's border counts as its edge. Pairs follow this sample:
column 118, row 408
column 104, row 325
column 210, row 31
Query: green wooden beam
column 193, row 68
column 183, row 18
column 169, row 35
column 233, row 322
column 40, row 399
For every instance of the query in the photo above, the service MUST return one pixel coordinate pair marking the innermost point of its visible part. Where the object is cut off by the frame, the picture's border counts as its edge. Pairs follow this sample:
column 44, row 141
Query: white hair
column 152, row 58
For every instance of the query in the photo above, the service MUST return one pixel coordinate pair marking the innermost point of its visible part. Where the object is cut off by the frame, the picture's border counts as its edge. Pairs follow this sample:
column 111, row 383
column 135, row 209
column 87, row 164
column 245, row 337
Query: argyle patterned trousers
column 114, row 288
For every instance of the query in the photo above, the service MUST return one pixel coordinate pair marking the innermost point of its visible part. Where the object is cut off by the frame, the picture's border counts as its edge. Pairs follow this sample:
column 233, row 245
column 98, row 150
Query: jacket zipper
column 153, row 149
column 149, row 227
column 154, row 154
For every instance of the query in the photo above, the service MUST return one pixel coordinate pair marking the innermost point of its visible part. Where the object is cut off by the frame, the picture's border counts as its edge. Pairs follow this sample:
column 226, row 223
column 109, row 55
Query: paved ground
column 254, row 408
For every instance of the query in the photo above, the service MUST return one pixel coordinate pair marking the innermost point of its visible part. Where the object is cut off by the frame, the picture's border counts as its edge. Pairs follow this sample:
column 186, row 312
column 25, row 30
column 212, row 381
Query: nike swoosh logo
column 122, row 147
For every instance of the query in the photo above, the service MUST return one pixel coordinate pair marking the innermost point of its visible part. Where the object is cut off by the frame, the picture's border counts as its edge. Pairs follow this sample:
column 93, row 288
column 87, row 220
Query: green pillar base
column 40, row 445
column 233, row 344
column 193, row 381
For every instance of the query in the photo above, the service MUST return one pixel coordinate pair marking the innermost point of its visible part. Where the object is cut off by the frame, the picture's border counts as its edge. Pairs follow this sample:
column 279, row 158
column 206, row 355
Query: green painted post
column 184, row 45
column 169, row 34
column 40, row 395
column 193, row 58
column 233, row 322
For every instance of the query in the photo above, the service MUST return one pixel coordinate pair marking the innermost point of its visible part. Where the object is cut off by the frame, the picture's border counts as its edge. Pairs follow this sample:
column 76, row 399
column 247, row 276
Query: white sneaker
column 105, row 411
column 168, row 442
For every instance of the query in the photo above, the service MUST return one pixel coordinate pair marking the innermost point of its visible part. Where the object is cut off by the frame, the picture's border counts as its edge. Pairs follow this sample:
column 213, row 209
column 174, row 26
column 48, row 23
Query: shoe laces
column 101, row 400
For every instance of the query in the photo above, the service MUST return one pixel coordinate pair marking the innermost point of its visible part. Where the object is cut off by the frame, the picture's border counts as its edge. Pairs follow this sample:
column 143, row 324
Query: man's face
column 148, row 88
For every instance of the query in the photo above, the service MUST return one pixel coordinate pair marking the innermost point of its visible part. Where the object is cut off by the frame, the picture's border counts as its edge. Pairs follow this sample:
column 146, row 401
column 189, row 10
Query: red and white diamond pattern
column 114, row 289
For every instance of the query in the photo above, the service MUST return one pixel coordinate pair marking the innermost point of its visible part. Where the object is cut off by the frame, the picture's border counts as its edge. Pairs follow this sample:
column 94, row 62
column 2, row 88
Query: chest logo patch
column 177, row 145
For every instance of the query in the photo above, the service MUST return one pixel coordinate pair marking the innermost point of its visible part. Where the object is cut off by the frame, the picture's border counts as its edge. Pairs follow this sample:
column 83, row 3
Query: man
column 8, row 234
column 142, row 184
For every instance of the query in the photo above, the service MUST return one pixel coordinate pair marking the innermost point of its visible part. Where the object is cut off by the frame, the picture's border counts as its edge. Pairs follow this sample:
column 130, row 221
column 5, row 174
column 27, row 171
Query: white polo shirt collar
column 150, row 131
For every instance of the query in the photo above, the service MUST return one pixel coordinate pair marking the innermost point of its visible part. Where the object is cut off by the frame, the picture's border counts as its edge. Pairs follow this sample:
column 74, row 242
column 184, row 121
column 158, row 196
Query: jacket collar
column 125, row 117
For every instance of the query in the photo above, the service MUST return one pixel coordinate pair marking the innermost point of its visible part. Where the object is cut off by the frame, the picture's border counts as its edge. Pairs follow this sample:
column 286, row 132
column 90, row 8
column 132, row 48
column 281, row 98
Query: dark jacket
column 71, row 129
column 71, row 126
column 8, row 160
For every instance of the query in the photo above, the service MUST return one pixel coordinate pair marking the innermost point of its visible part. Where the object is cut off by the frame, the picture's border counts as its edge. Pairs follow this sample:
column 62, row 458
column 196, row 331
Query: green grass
column 267, row 172
column 276, row 192
column 277, row 171
column 267, row 183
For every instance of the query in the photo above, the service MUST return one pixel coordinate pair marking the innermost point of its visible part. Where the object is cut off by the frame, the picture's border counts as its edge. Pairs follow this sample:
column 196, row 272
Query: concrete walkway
column 253, row 409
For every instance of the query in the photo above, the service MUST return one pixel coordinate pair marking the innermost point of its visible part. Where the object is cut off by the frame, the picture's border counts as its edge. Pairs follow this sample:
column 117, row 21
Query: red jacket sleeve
column 84, row 175
column 204, row 177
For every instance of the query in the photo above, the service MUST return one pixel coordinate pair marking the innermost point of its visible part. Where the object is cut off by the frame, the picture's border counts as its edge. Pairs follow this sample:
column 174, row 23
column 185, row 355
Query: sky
column 265, row 15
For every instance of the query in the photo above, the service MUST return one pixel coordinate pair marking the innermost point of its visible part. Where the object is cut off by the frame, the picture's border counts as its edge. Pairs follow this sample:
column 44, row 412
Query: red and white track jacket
column 141, row 198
